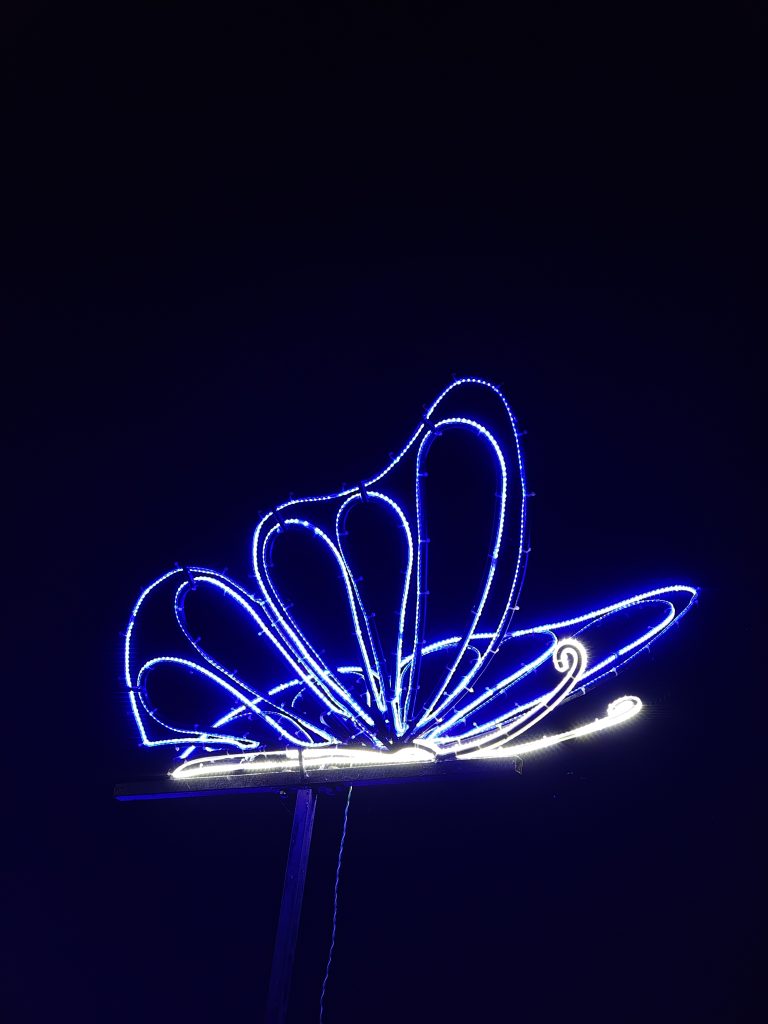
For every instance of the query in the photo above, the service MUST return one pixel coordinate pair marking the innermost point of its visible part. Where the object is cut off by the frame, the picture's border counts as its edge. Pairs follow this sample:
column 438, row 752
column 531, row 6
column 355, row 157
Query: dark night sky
column 239, row 252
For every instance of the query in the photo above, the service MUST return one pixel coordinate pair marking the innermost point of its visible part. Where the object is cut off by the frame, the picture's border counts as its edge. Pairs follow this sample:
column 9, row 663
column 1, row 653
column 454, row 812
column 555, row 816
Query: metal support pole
column 290, row 907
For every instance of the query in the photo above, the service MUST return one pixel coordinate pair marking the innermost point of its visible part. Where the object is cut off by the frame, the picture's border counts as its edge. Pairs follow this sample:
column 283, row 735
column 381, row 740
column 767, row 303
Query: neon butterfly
column 395, row 692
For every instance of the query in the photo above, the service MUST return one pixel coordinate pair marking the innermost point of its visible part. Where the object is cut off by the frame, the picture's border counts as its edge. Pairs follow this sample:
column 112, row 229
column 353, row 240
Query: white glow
column 618, row 712
column 300, row 762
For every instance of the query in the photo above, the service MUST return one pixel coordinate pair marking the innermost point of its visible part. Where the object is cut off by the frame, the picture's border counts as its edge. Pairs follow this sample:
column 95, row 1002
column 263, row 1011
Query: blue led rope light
column 319, row 709
column 420, row 606
column 395, row 700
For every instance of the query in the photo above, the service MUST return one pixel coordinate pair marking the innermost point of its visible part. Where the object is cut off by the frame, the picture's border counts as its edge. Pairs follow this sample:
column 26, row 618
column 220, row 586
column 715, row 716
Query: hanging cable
column 335, row 905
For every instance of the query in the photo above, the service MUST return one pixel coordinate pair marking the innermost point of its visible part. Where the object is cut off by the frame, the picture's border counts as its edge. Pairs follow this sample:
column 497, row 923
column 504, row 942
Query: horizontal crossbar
column 168, row 788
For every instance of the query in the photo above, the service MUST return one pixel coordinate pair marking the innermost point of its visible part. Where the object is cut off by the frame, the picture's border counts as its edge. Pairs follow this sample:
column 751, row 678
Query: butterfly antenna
column 335, row 905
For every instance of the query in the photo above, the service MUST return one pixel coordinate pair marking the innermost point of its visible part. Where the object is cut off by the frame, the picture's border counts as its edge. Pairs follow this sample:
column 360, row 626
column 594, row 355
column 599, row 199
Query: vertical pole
column 290, row 907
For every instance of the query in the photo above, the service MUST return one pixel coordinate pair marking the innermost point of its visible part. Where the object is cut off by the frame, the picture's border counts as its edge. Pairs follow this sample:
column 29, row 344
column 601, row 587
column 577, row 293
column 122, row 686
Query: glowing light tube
column 619, row 711
column 293, row 761
column 389, row 705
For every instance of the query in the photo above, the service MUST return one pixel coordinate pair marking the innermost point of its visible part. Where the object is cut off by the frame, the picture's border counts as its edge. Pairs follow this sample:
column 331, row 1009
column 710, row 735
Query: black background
column 241, row 248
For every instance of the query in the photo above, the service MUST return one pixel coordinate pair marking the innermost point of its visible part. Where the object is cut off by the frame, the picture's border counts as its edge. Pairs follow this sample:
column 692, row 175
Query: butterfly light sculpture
column 259, row 691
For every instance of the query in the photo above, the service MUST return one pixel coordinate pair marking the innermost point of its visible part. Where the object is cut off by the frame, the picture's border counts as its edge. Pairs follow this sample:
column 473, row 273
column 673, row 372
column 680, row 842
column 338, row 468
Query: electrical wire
column 335, row 905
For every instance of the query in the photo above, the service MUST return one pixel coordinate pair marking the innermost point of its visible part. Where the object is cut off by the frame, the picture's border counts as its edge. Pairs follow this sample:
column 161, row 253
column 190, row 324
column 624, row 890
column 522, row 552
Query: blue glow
column 382, row 702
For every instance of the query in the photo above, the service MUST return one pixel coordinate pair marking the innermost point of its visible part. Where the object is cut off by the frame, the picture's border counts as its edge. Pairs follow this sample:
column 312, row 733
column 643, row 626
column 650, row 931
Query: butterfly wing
column 203, row 667
column 392, row 541
column 526, row 681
